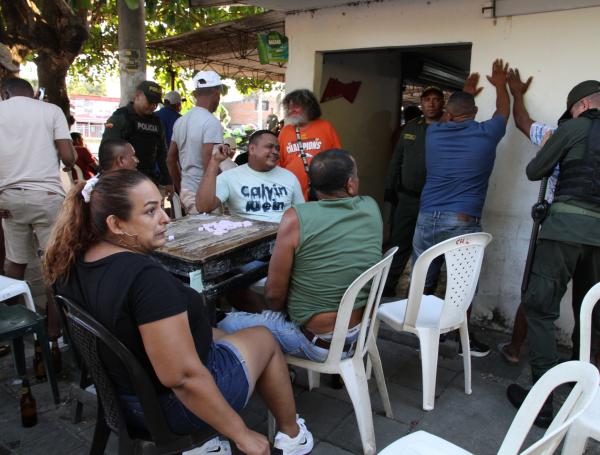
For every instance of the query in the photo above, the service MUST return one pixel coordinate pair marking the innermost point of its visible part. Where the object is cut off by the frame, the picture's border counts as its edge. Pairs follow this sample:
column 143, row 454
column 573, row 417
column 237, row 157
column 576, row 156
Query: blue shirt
column 459, row 158
column 168, row 117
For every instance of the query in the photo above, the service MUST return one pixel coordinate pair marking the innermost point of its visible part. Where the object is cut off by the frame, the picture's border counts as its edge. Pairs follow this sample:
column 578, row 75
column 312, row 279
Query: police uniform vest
column 580, row 178
column 145, row 135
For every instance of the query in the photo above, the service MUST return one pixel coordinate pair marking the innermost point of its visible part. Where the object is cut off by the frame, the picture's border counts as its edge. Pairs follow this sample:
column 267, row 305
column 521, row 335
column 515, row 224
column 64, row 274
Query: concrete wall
column 559, row 49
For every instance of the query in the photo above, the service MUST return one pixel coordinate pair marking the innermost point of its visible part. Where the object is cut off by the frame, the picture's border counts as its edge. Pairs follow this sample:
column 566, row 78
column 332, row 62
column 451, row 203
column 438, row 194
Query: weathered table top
column 192, row 248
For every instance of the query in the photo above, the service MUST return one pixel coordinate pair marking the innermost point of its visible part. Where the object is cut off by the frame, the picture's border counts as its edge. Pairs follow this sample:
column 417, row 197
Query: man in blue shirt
column 170, row 113
column 460, row 154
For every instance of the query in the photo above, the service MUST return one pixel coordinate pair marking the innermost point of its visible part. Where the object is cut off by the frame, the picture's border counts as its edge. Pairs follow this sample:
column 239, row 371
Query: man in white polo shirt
column 35, row 138
column 193, row 138
column 259, row 190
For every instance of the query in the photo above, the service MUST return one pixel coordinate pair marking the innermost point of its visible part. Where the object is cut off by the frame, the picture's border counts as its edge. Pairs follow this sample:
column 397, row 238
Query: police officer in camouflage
column 569, row 239
column 406, row 179
column 140, row 126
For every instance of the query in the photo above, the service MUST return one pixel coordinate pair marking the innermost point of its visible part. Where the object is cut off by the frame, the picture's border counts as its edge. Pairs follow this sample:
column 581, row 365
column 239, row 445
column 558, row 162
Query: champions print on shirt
column 318, row 136
column 310, row 145
column 265, row 198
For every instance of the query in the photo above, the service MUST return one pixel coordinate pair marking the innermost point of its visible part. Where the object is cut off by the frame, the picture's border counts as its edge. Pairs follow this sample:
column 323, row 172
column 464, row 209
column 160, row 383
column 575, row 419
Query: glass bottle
column 28, row 405
column 38, row 362
column 56, row 357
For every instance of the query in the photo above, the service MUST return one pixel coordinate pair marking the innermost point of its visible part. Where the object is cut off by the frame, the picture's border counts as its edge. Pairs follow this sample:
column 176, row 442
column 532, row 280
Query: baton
column 538, row 213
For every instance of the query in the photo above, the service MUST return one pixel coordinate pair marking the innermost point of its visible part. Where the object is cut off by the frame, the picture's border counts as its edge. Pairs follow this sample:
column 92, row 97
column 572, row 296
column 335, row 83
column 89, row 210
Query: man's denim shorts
column 230, row 373
column 288, row 335
column 433, row 228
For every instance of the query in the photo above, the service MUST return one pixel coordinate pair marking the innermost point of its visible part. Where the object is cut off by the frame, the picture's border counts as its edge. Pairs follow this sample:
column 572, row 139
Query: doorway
column 391, row 79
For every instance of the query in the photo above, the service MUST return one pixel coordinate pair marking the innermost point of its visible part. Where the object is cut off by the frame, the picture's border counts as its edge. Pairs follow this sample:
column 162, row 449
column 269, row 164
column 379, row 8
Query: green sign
column 272, row 48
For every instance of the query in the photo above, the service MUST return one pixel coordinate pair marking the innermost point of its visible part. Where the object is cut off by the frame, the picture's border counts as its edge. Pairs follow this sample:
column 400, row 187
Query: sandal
column 510, row 358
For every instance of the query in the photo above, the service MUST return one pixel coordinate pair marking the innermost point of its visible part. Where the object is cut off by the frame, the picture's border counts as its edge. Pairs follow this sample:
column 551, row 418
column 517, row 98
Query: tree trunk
column 132, row 49
column 55, row 30
column 52, row 72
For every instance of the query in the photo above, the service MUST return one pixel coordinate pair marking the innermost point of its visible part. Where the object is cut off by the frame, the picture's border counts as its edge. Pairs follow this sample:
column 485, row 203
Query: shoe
column 517, row 394
column 302, row 444
column 4, row 349
column 502, row 349
column 215, row 446
column 478, row 349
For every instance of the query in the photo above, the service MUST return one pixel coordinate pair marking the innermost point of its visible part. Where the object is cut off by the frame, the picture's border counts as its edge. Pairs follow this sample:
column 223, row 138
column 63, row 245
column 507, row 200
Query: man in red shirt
column 304, row 135
column 85, row 160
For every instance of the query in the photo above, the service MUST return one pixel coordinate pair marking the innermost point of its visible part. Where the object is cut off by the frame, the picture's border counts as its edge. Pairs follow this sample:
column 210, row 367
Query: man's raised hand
column 221, row 152
column 499, row 73
column 471, row 85
column 515, row 84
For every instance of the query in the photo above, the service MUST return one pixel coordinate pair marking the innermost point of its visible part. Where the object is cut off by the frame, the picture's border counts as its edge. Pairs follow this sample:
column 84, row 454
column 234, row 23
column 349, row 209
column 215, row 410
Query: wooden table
column 208, row 261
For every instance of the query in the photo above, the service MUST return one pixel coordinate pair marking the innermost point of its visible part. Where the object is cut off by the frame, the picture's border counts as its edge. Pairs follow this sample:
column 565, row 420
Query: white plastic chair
column 588, row 424
column 176, row 206
column 581, row 397
column 427, row 316
column 352, row 369
column 9, row 287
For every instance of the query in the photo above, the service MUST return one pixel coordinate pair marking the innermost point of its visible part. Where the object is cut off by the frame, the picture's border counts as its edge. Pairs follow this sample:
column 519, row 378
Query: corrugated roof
column 228, row 48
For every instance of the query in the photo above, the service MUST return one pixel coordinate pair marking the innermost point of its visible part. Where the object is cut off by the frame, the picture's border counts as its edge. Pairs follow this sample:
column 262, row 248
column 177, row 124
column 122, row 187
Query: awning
column 229, row 48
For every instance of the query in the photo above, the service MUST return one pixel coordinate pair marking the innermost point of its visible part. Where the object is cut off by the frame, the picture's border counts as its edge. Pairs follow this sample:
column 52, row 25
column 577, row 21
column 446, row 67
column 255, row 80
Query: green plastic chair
column 16, row 321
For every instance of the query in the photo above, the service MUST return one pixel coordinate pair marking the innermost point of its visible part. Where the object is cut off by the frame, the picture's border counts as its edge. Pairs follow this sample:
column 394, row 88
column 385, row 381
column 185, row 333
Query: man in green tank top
column 321, row 248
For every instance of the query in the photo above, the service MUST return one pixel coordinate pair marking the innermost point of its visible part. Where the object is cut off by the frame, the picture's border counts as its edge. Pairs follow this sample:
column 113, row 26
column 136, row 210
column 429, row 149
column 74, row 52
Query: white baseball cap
column 205, row 79
column 173, row 97
column 6, row 59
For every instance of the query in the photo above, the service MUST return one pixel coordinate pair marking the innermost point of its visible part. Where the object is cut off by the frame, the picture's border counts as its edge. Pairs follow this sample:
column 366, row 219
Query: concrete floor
column 477, row 422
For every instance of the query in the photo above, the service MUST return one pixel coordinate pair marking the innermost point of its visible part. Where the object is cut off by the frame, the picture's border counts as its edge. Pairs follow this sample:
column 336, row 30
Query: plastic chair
column 88, row 335
column 176, row 206
column 352, row 369
column 588, row 424
column 428, row 316
column 16, row 322
column 581, row 397
column 9, row 287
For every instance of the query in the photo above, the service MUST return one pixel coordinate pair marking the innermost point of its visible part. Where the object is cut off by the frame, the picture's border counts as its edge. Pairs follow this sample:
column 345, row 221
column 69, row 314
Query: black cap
column 152, row 91
column 432, row 88
column 580, row 91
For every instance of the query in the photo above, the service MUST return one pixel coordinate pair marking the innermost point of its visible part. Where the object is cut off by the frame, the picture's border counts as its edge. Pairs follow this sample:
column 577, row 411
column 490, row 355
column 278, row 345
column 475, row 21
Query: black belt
column 320, row 342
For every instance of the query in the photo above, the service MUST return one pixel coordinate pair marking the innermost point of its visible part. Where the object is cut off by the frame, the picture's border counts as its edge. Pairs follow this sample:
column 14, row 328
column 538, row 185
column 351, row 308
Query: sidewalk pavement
column 477, row 422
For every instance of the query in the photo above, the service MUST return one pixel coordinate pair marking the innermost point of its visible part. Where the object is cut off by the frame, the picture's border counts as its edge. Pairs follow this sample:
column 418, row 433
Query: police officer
column 406, row 179
column 140, row 126
column 569, row 239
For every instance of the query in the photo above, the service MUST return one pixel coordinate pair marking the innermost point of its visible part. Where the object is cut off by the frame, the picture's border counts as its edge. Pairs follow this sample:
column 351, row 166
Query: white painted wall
column 559, row 49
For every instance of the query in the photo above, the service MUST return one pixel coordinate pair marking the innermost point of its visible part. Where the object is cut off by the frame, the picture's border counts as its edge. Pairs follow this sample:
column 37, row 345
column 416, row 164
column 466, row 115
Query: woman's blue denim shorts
column 230, row 373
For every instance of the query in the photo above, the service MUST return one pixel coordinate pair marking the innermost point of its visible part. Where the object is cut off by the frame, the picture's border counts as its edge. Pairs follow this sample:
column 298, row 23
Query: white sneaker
column 215, row 446
column 300, row 445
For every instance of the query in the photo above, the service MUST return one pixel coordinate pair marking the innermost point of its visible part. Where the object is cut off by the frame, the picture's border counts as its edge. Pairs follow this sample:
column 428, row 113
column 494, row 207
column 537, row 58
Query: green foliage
column 247, row 85
column 164, row 18
column 82, row 86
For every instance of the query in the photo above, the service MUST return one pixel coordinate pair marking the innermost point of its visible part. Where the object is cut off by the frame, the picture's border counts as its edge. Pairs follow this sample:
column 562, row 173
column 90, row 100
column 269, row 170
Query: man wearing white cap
column 194, row 136
column 169, row 114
